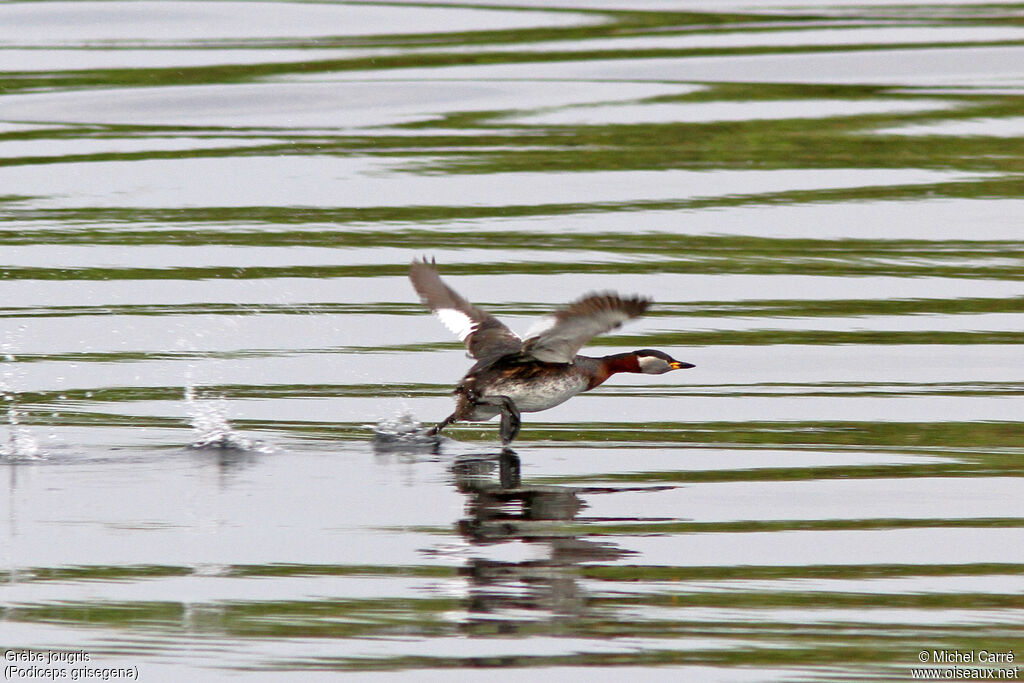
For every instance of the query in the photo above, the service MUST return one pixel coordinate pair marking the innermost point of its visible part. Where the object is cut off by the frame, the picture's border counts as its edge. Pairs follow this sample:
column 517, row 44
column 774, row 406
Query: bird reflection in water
column 500, row 509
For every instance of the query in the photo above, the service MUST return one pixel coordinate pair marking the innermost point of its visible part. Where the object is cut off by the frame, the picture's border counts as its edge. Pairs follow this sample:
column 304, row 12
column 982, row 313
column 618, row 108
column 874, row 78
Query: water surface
column 206, row 218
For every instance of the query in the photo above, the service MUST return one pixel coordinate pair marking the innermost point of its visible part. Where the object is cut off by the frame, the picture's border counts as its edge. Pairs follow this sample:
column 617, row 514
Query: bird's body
column 513, row 375
column 532, row 386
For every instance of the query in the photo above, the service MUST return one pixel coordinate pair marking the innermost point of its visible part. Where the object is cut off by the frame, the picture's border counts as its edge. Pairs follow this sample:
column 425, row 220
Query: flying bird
column 513, row 375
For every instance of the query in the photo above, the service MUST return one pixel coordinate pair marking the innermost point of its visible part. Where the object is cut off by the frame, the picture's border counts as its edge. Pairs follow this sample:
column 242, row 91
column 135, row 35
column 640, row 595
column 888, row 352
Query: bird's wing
column 484, row 335
column 573, row 326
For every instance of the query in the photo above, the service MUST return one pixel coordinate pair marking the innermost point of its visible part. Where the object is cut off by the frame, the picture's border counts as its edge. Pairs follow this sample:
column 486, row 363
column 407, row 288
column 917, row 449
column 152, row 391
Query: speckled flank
column 541, row 392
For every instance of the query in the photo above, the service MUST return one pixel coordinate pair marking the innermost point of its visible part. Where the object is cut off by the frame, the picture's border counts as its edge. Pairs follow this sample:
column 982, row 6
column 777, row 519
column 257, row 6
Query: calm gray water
column 207, row 211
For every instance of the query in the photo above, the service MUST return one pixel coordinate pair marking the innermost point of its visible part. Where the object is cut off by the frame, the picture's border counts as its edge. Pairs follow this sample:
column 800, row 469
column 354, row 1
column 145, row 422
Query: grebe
column 514, row 375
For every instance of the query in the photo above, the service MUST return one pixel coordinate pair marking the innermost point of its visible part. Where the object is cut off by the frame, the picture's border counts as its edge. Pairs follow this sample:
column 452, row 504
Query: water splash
column 403, row 432
column 21, row 444
column 211, row 427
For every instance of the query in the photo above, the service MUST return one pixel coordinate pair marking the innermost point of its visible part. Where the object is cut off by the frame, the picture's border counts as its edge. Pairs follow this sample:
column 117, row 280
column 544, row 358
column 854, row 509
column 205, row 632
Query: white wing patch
column 456, row 321
column 540, row 326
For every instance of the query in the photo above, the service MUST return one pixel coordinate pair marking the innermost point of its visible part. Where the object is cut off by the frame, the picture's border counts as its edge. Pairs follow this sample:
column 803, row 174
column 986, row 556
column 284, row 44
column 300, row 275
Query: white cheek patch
column 456, row 321
column 650, row 364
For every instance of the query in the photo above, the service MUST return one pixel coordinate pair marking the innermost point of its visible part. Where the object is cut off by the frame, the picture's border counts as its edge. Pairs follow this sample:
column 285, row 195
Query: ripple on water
column 199, row 23
column 337, row 104
column 370, row 182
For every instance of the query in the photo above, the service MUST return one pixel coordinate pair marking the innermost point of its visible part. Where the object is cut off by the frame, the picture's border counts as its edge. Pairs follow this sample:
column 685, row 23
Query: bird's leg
column 436, row 429
column 510, row 422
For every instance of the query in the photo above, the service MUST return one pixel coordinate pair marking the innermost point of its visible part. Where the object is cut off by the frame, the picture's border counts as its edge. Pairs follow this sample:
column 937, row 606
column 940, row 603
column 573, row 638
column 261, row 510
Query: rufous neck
column 615, row 363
